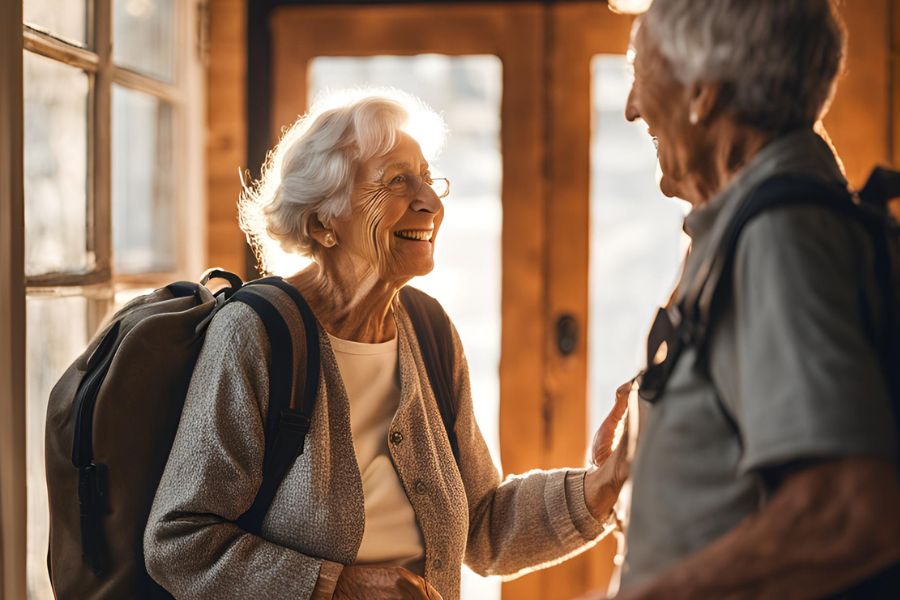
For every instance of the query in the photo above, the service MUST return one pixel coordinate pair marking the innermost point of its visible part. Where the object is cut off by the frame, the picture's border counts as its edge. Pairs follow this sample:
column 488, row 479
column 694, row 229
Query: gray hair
column 311, row 172
column 778, row 60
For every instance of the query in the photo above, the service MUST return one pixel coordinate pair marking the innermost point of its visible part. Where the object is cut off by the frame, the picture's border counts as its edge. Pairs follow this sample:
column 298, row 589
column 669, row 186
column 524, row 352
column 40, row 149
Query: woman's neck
column 351, row 302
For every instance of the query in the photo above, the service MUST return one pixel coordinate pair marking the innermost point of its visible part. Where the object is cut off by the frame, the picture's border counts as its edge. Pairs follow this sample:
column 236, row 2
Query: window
column 112, row 201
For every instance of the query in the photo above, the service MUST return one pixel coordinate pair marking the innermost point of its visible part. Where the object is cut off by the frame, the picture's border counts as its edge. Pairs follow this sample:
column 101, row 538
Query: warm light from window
column 631, row 7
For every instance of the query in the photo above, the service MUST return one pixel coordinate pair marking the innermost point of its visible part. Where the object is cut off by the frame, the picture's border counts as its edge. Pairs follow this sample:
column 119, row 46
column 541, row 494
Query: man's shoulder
column 803, row 240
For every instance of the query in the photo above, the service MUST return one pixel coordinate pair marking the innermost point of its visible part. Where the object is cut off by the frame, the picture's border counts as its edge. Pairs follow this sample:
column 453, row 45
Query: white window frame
column 187, row 95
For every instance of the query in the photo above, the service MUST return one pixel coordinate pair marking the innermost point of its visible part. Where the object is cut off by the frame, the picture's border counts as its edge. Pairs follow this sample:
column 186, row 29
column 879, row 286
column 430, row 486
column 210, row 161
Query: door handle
column 567, row 331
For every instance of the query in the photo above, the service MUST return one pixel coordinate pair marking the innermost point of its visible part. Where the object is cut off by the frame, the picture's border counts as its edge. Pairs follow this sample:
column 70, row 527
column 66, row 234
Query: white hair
column 311, row 172
column 777, row 60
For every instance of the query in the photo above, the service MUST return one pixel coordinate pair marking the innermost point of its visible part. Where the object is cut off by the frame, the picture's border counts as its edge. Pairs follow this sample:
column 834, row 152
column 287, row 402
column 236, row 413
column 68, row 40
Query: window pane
column 143, row 183
column 466, row 90
column 66, row 20
column 636, row 238
column 56, row 143
column 57, row 331
column 144, row 37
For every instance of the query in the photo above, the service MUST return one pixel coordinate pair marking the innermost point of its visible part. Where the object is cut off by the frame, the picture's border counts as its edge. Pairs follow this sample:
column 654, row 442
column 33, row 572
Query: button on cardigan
column 194, row 549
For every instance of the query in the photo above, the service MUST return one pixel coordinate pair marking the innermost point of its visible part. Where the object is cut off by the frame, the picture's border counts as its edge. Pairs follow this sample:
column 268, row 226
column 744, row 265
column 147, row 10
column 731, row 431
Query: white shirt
column 372, row 381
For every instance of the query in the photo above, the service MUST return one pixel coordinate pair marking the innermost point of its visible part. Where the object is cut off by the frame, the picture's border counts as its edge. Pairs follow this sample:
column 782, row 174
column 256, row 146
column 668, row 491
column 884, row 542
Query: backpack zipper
column 86, row 398
column 91, row 477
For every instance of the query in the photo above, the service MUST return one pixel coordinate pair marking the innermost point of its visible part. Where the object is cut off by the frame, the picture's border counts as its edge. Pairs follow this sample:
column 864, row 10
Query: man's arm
column 828, row 526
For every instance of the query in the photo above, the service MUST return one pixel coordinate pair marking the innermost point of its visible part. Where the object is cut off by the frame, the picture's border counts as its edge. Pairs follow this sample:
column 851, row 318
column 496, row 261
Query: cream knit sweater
column 194, row 549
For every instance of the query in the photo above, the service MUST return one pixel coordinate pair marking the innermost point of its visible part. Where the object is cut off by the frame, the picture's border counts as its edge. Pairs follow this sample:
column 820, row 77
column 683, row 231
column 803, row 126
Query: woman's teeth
column 413, row 234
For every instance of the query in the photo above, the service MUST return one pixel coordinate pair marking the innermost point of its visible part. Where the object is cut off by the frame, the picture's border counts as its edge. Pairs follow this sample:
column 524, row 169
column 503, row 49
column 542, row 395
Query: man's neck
column 730, row 148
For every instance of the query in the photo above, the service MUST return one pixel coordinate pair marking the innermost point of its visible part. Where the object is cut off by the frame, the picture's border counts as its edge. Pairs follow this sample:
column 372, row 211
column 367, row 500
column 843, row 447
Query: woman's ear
column 704, row 101
column 321, row 233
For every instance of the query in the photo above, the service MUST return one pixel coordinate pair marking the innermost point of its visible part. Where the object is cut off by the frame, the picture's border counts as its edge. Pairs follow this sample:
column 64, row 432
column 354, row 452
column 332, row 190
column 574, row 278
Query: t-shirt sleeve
column 810, row 382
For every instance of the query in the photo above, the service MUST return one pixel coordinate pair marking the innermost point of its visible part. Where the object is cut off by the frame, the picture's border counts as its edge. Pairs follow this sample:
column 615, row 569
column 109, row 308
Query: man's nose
column 631, row 111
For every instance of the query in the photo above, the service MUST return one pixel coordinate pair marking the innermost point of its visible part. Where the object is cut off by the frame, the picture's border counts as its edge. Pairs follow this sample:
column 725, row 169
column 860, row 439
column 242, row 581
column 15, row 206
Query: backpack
column 113, row 415
column 690, row 322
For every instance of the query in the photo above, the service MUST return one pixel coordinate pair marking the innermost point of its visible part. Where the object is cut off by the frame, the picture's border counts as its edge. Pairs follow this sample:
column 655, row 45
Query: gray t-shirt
column 789, row 359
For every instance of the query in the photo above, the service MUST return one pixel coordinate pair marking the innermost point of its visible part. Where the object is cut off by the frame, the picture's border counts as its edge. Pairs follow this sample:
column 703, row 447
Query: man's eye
column 398, row 180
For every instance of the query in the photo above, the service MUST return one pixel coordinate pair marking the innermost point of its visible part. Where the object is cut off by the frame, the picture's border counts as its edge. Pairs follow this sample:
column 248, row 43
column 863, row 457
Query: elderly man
column 767, row 465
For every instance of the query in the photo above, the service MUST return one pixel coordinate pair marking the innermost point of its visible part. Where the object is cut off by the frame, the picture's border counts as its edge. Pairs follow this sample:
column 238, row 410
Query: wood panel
column 226, row 141
column 516, row 35
column 579, row 32
column 859, row 119
column 12, row 309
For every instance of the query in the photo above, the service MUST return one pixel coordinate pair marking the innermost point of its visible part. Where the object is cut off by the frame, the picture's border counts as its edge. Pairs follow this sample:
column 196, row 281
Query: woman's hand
column 609, row 455
column 382, row 583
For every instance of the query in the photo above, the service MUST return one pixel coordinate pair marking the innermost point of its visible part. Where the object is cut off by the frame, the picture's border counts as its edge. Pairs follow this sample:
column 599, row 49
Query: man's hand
column 382, row 583
column 610, row 458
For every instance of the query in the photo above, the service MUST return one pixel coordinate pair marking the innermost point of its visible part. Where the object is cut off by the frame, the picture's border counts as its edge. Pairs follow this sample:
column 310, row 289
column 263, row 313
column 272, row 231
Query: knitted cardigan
column 194, row 549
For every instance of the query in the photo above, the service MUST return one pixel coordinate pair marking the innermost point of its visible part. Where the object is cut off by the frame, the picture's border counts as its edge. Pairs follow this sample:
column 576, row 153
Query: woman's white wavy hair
column 311, row 172
column 778, row 60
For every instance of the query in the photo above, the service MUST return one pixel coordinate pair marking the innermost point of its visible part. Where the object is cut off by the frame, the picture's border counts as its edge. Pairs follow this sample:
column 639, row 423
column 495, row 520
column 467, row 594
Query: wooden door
column 541, row 392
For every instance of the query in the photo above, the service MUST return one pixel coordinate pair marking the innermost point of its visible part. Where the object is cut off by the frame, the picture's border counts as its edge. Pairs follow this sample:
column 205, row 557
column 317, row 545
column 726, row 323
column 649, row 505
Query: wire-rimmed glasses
column 408, row 185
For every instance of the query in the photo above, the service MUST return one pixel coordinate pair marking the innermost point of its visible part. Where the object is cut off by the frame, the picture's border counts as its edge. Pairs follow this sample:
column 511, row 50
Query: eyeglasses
column 408, row 185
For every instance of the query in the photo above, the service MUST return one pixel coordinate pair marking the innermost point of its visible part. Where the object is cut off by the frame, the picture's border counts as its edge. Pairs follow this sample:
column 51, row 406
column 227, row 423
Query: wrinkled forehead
column 406, row 155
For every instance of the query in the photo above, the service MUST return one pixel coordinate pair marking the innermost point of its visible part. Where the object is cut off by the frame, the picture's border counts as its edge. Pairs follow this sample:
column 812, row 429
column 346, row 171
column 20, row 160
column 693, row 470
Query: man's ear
column 320, row 232
column 704, row 101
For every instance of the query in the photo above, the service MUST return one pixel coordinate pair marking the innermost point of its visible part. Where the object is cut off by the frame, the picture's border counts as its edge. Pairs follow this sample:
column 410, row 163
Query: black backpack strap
column 696, row 313
column 704, row 305
column 432, row 326
column 288, row 419
column 701, row 305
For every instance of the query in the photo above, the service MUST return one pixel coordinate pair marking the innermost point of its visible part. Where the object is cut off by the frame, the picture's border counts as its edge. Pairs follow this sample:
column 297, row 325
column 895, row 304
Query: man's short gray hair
column 311, row 172
column 777, row 60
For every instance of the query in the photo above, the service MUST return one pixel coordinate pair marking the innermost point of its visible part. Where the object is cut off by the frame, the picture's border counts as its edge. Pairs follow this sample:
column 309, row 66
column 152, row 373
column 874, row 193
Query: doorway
column 514, row 86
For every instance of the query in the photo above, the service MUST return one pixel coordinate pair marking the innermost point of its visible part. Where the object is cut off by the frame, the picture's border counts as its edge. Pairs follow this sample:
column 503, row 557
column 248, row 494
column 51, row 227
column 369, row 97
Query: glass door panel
column 637, row 243
column 56, row 159
column 466, row 91
column 144, row 32
column 67, row 20
column 58, row 329
column 143, row 183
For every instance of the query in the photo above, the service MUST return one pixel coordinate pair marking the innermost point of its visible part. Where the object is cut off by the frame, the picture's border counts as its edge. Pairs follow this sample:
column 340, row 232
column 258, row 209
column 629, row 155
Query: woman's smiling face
column 395, row 214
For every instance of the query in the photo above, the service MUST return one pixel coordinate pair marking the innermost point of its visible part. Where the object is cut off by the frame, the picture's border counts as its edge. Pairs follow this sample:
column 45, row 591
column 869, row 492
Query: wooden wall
column 860, row 117
column 226, row 142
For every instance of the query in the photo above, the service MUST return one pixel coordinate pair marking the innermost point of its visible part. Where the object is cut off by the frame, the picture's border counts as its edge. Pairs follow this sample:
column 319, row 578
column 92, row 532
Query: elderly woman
column 376, row 506
column 767, row 464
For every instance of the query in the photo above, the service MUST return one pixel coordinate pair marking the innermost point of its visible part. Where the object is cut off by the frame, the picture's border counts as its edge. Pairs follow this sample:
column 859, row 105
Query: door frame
column 545, row 51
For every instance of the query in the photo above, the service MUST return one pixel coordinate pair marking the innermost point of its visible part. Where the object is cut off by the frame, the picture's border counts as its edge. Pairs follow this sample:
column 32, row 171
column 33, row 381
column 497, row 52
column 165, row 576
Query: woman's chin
column 418, row 268
column 415, row 256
